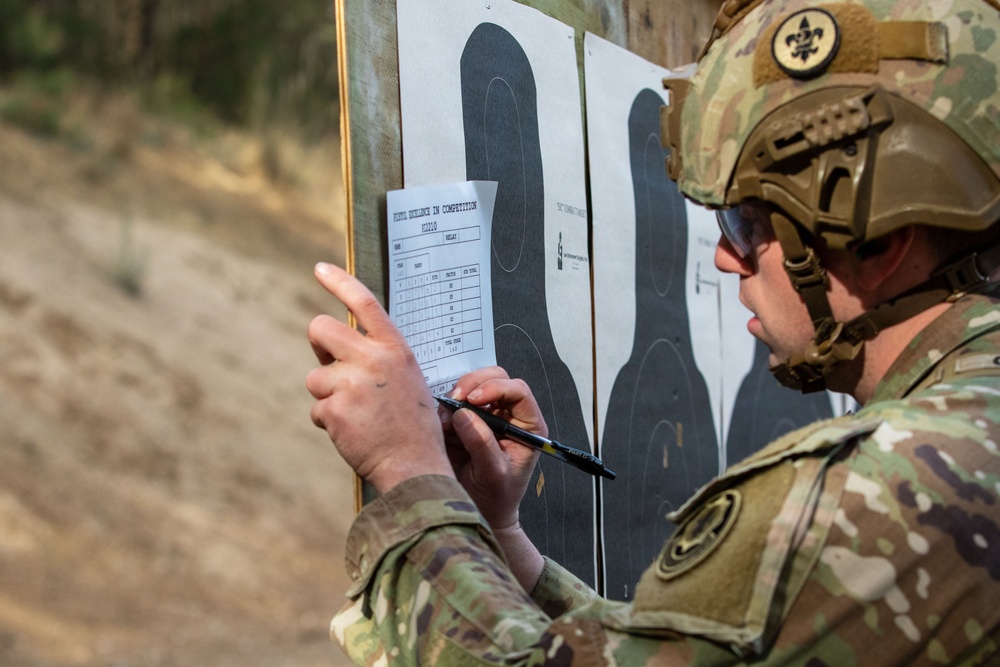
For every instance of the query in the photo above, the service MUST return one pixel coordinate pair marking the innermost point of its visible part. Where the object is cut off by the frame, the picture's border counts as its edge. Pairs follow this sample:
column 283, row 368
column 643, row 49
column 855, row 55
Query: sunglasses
column 746, row 226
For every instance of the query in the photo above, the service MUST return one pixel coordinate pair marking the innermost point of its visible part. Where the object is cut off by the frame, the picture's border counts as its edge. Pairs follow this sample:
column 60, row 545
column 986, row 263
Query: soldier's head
column 832, row 128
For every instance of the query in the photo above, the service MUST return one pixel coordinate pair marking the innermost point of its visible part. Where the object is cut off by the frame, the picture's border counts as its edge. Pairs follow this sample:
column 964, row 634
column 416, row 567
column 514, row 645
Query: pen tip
column 447, row 402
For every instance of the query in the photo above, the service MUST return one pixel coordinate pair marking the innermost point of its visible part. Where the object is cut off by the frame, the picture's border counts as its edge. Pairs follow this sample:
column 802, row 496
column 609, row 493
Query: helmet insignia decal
column 806, row 43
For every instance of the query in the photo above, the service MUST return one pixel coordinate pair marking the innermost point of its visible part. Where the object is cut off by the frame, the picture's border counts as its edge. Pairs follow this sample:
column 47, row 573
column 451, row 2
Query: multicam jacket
column 871, row 539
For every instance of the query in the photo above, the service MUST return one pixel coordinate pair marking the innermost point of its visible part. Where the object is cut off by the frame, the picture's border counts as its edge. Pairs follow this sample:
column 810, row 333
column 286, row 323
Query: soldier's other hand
column 371, row 397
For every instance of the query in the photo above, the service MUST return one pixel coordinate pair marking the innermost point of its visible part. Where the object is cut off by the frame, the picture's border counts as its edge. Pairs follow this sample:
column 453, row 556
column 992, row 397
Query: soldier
column 852, row 150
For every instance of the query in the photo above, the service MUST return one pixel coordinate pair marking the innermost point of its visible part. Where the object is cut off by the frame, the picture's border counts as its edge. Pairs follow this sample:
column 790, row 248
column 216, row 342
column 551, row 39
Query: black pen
column 577, row 458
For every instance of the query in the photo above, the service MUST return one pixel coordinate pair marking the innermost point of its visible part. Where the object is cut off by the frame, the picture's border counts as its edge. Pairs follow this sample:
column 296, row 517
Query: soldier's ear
column 882, row 260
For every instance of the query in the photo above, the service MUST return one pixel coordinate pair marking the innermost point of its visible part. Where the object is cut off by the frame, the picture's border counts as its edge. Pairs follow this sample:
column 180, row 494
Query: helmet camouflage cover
column 941, row 55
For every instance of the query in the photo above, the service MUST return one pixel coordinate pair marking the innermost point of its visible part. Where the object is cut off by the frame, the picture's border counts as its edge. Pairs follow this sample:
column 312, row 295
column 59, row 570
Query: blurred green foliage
column 36, row 101
column 252, row 63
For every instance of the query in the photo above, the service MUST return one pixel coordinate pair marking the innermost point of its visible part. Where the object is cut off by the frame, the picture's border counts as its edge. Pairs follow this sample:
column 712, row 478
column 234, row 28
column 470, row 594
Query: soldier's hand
column 495, row 473
column 371, row 397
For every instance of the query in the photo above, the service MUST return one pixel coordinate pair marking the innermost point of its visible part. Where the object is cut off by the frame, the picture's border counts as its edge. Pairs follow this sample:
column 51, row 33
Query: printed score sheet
column 440, row 288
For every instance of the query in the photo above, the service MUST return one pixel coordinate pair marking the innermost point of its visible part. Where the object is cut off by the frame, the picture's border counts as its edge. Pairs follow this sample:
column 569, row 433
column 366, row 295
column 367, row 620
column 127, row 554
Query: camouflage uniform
column 868, row 539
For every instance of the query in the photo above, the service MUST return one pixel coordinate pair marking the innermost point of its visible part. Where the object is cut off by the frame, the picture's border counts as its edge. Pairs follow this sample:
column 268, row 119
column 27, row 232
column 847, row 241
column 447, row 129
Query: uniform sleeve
column 559, row 591
column 909, row 565
column 432, row 587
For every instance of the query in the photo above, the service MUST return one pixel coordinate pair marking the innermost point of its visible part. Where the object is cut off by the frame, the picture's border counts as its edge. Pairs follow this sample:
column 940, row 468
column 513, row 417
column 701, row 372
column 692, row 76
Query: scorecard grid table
column 439, row 312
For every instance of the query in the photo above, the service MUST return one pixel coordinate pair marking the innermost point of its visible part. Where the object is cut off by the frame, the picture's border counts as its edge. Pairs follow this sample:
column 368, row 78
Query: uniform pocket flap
column 719, row 574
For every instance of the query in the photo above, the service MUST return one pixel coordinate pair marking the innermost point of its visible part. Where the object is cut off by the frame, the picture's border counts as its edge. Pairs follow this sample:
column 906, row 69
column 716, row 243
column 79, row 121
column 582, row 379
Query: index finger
column 368, row 312
column 513, row 396
column 474, row 378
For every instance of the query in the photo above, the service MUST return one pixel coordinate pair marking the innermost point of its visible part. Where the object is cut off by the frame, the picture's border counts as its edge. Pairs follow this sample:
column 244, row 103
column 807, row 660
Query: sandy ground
column 164, row 498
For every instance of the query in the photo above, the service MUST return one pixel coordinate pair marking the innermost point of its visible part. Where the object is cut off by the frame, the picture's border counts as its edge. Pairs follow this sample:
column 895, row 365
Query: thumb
column 488, row 459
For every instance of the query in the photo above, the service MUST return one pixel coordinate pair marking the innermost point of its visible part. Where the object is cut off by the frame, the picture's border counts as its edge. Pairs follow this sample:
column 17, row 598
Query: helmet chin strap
column 807, row 371
column 831, row 343
column 834, row 342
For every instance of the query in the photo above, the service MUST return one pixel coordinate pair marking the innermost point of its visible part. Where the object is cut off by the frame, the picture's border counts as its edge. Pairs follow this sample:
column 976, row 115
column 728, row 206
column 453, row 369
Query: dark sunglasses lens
column 737, row 227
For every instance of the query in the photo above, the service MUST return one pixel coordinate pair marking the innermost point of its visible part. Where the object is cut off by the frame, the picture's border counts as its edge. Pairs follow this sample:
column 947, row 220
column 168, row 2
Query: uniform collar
column 969, row 317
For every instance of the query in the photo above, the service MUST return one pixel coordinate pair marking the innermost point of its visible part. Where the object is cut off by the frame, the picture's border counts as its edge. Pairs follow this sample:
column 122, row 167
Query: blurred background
column 170, row 174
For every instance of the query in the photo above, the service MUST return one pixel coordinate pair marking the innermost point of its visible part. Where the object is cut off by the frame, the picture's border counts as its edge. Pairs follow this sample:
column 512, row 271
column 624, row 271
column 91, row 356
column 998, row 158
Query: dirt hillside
column 164, row 499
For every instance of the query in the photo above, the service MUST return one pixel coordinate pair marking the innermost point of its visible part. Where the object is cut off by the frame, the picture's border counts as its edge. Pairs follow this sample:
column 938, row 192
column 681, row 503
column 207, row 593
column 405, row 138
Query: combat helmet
column 849, row 120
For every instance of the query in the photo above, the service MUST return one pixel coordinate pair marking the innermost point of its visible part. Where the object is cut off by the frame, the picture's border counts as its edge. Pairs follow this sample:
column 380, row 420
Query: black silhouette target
column 500, row 117
column 659, row 435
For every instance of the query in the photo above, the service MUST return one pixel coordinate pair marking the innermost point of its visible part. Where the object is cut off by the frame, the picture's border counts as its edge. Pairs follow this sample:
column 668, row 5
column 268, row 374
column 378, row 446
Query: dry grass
column 164, row 499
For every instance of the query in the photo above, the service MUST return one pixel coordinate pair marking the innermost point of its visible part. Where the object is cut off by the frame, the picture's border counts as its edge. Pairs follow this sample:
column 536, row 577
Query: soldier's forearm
column 523, row 557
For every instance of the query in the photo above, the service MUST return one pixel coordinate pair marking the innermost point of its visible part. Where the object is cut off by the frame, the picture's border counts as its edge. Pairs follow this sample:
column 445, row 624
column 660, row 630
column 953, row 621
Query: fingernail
column 476, row 393
column 323, row 268
column 456, row 393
